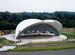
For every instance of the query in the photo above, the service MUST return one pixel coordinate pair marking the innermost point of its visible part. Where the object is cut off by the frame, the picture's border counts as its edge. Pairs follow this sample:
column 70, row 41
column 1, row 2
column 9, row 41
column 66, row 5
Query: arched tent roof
column 57, row 25
column 24, row 24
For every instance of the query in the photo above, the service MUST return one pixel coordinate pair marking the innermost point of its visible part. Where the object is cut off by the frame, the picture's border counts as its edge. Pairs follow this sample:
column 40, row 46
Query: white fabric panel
column 57, row 25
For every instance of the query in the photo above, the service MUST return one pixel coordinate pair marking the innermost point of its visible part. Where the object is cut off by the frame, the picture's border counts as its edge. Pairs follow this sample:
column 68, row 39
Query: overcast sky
column 37, row 5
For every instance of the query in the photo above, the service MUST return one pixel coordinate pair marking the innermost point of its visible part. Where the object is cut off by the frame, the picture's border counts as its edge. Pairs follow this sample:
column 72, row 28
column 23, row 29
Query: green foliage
column 10, row 20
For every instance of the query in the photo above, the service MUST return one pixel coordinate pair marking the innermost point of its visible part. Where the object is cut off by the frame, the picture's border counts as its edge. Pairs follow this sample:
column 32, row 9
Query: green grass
column 69, row 32
column 42, row 48
column 13, row 31
column 8, row 31
column 58, row 42
column 69, row 35
column 2, row 40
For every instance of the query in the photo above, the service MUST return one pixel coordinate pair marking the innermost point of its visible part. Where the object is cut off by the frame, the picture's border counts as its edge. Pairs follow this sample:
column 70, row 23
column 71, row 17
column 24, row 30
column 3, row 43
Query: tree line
column 10, row 20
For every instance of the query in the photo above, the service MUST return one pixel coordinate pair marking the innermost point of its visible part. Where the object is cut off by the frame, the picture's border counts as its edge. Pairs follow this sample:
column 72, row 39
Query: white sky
column 37, row 5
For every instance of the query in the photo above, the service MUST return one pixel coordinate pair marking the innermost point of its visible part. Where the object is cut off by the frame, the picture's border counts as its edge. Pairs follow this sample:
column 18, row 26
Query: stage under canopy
column 36, row 35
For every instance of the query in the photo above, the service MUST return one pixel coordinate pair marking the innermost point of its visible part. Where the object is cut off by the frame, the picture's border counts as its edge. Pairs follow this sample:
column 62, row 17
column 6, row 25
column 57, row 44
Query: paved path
column 49, row 52
column 5, row 48
column 9, row 37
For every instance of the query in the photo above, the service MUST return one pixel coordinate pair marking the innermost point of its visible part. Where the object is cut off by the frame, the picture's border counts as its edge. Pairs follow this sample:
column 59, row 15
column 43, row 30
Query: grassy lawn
column 69, row 35
column 2, row 40
column 12, row 31
column 69, row 32
column 42, row 48
column 58, row 42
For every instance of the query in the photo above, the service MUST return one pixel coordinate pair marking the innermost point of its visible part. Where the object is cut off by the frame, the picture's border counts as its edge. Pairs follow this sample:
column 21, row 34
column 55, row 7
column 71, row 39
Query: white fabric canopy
column 24, row 24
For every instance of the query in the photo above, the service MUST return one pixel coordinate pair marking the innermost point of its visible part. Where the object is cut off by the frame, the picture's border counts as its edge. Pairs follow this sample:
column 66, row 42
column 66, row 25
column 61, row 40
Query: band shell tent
column 36, row 25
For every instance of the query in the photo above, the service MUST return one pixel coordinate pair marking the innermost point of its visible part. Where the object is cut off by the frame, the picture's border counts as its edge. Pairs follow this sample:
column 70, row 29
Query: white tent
column 33, row 22
column 24, row 24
